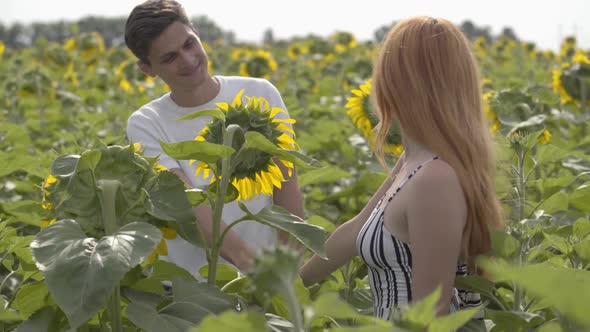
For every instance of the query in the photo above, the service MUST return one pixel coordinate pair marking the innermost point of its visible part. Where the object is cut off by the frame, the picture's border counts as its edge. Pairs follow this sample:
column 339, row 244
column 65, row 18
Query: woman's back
column 389, row 259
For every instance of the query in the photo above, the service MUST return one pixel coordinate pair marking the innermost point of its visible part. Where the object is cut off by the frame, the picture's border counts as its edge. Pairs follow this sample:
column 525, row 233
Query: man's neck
column 198, row 95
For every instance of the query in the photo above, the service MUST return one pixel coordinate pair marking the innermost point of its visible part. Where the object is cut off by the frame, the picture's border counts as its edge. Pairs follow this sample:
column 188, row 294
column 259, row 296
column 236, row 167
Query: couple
column 430, row 217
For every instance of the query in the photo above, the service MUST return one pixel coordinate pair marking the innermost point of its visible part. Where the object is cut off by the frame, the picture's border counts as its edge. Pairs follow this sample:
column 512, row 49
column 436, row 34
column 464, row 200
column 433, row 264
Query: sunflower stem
column 228, row 137
column 107, row 195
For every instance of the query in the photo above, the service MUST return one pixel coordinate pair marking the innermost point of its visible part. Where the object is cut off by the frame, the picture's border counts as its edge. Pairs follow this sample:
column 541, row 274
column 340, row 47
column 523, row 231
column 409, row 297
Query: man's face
column 178, row 58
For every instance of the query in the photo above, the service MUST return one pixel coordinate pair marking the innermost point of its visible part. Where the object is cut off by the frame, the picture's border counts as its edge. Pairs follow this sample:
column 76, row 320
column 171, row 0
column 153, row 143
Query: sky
column 544, row 22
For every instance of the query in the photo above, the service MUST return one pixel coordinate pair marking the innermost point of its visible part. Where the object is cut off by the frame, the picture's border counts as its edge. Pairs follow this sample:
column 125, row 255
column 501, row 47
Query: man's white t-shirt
column 157, row 121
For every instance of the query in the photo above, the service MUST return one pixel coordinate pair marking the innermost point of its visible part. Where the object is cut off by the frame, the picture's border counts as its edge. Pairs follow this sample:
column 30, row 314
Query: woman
column 430, row 218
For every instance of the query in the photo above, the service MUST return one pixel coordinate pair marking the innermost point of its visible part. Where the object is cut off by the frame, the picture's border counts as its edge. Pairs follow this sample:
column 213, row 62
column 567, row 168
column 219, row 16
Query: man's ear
column 145, row 68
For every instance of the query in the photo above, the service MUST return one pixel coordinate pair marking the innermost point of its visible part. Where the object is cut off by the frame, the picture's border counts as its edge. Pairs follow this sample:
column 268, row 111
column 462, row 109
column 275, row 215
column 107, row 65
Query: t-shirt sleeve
column 140, row 129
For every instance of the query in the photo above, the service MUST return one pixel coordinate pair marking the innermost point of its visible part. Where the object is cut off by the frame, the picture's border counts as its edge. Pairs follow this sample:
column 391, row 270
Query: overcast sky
column 543, row 22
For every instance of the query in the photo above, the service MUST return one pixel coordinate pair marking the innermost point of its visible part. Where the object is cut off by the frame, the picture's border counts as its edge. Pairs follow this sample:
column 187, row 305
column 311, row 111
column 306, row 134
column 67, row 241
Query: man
column 162, row 37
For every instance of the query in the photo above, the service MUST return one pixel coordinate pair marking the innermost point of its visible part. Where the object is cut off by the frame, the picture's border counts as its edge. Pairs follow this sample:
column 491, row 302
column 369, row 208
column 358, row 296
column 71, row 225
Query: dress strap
column 390, row 193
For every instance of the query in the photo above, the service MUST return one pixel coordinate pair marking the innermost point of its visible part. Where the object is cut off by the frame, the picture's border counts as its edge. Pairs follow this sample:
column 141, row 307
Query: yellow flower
column 545, row 137
column 344, row 41
column 296, row 50
column 70, row 44
column 126, row 86
column 168, row 233
column 71, row 74
column 239, row 54
column 580, row 57
column 258, row 64
column 2, row 48
column 256, row 173
column 360, row 114
column 50, row 180
column 47, row 222
column 161, row 250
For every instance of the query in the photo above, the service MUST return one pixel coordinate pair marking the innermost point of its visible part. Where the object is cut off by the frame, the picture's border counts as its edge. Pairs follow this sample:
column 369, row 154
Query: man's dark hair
column 148, row 20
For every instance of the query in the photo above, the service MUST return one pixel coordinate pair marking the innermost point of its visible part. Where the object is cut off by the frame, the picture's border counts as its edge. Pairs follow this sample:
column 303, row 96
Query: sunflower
column 567, row 81
column 359, row 111
column 258, row 64
column 296, row 50
column 491, row 116
column 544, row 137
column 2, row 48
column 343, row 41
column 254, row 171
column 162, row 248
column 238, row 53
column 568, row 48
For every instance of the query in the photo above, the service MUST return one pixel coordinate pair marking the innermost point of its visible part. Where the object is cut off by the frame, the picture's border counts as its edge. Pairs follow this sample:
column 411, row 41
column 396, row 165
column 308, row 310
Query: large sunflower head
column 258, row 64
column 359, row 110
column 254, row 172
column 568, row 81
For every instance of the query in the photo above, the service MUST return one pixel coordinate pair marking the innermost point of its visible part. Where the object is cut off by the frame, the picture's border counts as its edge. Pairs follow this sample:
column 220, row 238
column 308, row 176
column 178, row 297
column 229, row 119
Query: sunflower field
column 70, row 184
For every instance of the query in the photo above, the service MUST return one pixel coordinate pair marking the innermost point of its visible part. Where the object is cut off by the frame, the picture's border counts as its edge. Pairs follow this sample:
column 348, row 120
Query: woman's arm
column 341, row 245
column 436, row 217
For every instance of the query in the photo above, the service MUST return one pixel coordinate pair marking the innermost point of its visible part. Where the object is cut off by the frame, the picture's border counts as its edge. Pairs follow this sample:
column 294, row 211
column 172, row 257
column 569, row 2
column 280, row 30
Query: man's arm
column 288, row 197
column 233, row 249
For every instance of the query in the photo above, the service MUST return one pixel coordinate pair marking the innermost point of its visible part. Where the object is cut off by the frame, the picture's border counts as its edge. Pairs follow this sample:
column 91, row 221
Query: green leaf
column 192, row 301
column 583, row 249
column 94, row 268
column 556, row 203
column 258, row 141
column 550, row 153
column 571, row 298
column 65, row 166
column 161, row 271
column 580, row 198
column 217, row 114
column 313, row 237
column 558, row 243
column 30, row 298
column 510, row 320
column 422, row 313
column 581, row 228
column 193, row 150
column 25, row 210
column 149, row 319
column 9, row 315
column 225, row 273
column 169, row 202
column 249, row 321
column 88, row 160
column 322, row 222
column 322, row 175
column 453, row 321
column 275, row 270
column 504, row 244
column 331, row 305
column 44, row 320
column 476, row 284
column 550, row 186
column 368, row 183
column 195, row 196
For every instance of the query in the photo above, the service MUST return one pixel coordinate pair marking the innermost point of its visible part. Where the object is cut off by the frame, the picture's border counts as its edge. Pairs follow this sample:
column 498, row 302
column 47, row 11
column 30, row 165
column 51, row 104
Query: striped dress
column 389, row 263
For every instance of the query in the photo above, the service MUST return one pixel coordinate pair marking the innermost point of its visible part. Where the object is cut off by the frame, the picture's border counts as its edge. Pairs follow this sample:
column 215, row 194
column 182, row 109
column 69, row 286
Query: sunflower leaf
column 258, row 141
column 212, row 113
column 194, row 150
column 93, row 267
column 312, row 236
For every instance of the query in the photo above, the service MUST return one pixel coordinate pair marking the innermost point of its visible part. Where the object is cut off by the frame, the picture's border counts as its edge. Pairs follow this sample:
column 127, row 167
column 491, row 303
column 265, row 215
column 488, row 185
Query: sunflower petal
column 238, row 99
